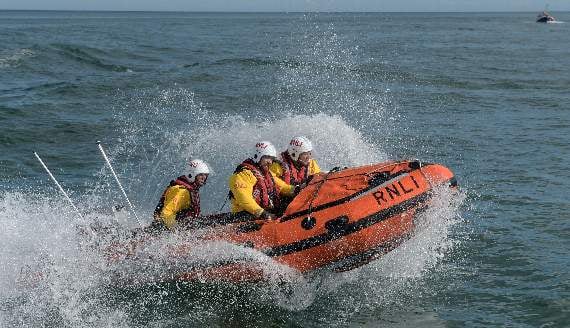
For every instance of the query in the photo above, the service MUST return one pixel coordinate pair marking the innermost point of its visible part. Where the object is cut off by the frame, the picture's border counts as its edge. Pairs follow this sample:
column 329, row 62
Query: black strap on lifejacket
column 291, row 172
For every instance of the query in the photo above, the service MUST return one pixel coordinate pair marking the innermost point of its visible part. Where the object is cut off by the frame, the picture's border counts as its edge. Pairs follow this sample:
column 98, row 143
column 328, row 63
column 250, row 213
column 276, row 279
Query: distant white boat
column 545, row 17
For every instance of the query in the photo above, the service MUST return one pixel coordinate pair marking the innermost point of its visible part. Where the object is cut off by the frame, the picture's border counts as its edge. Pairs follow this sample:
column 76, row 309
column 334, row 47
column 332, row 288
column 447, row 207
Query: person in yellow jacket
column 297, row 163
column 180, row 202
column 254, row 189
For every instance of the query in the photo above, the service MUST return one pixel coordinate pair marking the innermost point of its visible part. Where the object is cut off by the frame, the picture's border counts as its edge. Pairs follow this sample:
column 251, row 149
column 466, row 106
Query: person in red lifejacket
column 180, row 202
column 254, row 188
column 297, row 163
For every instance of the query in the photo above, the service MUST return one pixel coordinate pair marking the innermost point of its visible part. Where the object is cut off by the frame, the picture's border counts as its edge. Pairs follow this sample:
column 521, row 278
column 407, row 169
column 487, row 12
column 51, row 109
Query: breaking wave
column 12, row 58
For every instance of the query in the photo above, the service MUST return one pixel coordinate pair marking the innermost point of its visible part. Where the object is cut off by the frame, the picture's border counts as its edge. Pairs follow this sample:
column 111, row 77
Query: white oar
column 58, row 185
column 63, row 192
column 118, row 182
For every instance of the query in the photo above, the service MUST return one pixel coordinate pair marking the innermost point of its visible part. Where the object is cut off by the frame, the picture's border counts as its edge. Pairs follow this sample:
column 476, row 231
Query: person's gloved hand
column 267, row 215
column 299, row 187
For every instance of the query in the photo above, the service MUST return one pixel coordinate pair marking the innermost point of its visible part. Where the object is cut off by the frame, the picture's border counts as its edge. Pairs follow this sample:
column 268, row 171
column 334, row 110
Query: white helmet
column 195, row 167
column 263, row 148
column 297, row 146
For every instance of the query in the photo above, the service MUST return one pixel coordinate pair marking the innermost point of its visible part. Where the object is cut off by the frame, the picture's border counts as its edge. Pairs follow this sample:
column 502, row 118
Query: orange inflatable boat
column 343, row 219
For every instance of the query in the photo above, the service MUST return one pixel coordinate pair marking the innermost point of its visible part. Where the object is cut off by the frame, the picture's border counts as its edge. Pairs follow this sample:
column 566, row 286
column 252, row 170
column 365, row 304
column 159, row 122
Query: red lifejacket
column 192, row 211
column 265, row 192
column 291, row 174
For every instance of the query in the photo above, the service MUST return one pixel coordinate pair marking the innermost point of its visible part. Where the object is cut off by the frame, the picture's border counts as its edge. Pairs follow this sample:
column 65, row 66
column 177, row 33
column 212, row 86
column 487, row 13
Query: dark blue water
column 484, row 94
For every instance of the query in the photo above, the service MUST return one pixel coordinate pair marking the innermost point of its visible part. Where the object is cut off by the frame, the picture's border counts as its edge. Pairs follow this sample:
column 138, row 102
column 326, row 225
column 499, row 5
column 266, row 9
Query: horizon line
column 271, row 12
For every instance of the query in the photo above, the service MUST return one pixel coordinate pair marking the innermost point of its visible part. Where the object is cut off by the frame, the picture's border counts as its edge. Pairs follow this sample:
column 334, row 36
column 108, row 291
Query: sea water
column 484, row 94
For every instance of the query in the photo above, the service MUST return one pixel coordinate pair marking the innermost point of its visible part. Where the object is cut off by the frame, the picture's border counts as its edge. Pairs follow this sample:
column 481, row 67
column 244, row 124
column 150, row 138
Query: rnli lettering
column 395, row 190
column 261, row 145
column 406, row 191
column 379, row 195
column 392, row 191
column 414, row 180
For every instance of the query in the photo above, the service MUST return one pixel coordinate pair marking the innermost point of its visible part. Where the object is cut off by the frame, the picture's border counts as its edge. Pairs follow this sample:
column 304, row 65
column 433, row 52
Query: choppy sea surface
column 486, row 94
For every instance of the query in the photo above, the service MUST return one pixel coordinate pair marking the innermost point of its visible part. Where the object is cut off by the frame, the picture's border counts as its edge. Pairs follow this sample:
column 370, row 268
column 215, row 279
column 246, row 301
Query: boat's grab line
column 372, row 185
column 348, row 229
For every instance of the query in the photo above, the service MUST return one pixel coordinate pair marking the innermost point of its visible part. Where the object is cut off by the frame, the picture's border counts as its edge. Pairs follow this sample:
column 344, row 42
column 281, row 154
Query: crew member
column 254, row 188
column 180, row 202
column 297, row 163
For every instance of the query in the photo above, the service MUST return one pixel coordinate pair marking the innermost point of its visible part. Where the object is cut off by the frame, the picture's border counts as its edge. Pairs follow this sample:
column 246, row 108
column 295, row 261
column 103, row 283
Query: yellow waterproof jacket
column 176, row 199
column 277, row 169
column 241, row 185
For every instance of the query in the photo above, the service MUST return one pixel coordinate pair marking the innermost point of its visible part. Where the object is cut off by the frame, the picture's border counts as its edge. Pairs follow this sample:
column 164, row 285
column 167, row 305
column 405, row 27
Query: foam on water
column 48, row 274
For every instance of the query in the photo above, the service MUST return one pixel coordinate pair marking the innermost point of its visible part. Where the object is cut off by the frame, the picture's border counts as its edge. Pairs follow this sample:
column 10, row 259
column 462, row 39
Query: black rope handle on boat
column 321, row 183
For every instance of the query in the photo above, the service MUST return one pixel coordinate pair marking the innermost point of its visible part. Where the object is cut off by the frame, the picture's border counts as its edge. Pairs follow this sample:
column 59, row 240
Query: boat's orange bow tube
column 342, row 219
